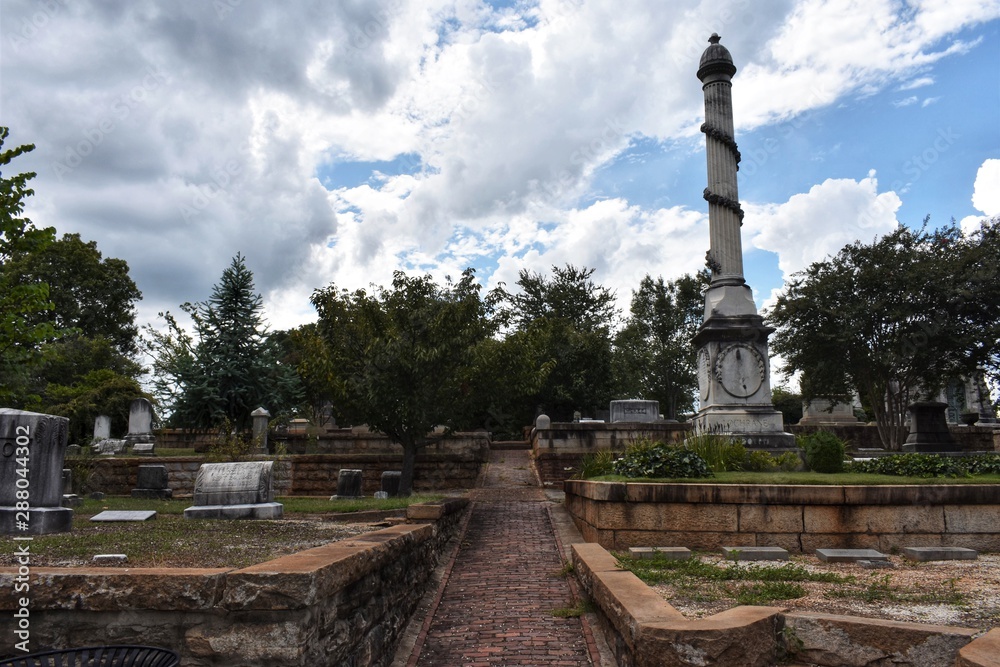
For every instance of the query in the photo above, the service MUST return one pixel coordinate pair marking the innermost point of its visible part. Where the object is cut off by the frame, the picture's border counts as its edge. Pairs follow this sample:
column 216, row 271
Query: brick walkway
column 496, row 606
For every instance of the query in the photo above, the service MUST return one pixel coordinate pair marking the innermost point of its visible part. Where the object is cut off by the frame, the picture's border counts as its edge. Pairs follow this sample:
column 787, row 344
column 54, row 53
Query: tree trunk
column 409, row 462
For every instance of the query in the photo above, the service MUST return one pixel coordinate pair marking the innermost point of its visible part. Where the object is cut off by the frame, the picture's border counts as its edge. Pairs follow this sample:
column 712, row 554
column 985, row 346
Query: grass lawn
column 170, row 540
column 845, row 478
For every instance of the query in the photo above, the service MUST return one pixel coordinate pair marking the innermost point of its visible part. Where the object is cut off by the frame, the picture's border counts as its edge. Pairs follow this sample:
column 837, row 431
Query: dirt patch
column 958, row 593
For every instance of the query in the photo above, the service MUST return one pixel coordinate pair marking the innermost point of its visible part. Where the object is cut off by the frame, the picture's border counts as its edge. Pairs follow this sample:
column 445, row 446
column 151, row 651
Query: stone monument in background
column 32, row 450
column 734, row 378
column 140, row 427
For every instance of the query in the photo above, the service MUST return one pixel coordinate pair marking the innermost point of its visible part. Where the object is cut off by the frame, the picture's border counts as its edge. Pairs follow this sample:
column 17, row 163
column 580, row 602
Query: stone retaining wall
column 345, row 603
column 294, row 475
column 797, row 518
column 645, row 631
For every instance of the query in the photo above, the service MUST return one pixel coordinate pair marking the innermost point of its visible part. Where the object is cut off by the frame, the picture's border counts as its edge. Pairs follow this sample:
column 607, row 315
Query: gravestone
column 73, row 450
column 644, row 412
column 666, row 553
column 924, row 554
column 390, row 482
column 69, row 499
column 849, row 555
column 235, row 491
column 754, row 553
column 260, row 418
column 102, row 428
column 110, row 447
column 348, row 484
column 928, row 429
column 124, row 515
column 140, row 422
column 543, row 422
column 144, row 449
column 827, row 411
column 152, row 483
column 32, row 450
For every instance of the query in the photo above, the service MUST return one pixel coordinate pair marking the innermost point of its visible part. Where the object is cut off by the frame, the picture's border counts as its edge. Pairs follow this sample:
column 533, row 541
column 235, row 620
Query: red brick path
column 496, row 607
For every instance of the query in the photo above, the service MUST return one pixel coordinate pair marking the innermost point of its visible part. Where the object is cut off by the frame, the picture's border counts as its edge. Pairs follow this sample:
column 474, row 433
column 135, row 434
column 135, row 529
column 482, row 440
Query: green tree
column 23, row 326
column 654, row 356
column 893, row 318
column 788, row 403
column 93, row 296
column 229, row 367
column 567, row 321
column 405, row 356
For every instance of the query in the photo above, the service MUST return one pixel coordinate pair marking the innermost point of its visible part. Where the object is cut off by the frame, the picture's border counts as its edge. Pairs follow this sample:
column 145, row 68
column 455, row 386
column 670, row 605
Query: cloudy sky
column 337, row 141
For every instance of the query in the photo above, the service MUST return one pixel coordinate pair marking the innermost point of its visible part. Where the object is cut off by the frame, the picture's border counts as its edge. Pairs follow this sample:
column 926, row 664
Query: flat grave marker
column 124, row 515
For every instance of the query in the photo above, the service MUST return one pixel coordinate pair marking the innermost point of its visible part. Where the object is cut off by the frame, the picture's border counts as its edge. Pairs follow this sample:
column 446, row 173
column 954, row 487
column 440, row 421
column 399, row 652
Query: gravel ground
column 958, row 593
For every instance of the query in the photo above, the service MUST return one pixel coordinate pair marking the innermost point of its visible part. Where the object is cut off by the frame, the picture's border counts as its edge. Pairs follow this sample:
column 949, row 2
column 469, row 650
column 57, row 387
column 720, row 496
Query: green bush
column 721, row 453
column 758, row 461
column 599, row 463
column 929, row 465
column 645, row 458
column 824, row 451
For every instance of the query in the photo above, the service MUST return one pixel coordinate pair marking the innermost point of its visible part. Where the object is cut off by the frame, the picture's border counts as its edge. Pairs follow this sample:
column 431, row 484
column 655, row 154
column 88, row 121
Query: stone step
column 754, row 553
column 509, row 445
column 849, row 555
column 939, row 553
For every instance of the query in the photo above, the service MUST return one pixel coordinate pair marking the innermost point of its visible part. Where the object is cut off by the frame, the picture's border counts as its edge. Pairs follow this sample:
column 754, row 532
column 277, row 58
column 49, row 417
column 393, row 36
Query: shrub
column 599, row 463
column 645, row 458
column 758, row 461
column 720, row 452
column 929, row 465
column 824, row 451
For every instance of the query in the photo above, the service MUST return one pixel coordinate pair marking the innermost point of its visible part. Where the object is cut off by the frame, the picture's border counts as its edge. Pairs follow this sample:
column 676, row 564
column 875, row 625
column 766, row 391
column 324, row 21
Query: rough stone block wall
column 797, row 518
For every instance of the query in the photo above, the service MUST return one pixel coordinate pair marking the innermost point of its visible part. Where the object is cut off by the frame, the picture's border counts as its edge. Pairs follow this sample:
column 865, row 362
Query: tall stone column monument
column 733, row 367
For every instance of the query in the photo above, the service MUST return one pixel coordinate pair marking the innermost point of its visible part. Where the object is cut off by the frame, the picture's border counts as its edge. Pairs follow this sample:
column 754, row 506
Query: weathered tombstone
column 73, row 450
column 235, row 491
column 260, row 418
column 69, row 499
column 110, row 447
column 643, row 412
column 124, row 515
column 144, row 449
column 390, row 482
column 829, row 410
column 543, row 422
column 102, row 428
column 152, row 483
column 348, row 484
column 32, row 450
column 928, row 429
column 140, row 422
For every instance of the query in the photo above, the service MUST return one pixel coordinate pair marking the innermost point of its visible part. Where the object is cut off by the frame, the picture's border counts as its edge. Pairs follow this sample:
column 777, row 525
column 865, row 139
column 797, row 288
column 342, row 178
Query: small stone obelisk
column 733, row 365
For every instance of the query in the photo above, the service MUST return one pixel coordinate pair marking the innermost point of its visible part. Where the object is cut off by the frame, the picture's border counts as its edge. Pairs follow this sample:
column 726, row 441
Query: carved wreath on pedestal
column 740, row 370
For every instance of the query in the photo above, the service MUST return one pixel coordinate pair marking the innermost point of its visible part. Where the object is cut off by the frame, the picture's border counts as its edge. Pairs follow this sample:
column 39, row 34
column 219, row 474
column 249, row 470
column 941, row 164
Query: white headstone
column 140, row 417
column 102, row 428
column 643, row 412
column 234, row 491
column 543, row 422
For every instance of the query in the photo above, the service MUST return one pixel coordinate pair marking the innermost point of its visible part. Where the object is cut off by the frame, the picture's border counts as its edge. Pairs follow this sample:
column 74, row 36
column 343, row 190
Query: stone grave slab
column 234, row 491
column 348, row 484
column 152, row 483
column 754, row 553
column 144, row 449
column 110, row 558
column 124, row 515
column 849, row 555
column 668, row 553
column 939, row 553
column 390, row 482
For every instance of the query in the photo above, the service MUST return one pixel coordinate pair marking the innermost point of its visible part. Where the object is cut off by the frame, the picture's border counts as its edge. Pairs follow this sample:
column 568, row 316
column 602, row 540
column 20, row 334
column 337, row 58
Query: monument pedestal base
column 254, row 511
column 758, row 428
column 41, row 520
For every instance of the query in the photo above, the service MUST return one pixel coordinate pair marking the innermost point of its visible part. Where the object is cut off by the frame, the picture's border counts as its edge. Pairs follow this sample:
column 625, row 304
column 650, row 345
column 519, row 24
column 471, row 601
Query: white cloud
column 919, row 82
column 985, row 195
column 813, row 225
column 905, row 102
column 205, row 126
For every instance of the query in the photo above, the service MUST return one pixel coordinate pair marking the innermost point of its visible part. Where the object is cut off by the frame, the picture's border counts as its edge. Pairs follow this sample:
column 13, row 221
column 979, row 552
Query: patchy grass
column 880, row 588
column 581, row 607
column 807, row 478
column 170, row 540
